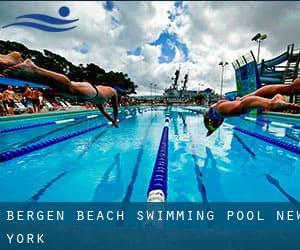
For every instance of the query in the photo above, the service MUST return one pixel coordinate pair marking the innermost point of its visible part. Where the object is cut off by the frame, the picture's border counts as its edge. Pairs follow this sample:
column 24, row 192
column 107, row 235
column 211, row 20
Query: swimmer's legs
column 29, row 66
column 250, row 102
column 282, row 89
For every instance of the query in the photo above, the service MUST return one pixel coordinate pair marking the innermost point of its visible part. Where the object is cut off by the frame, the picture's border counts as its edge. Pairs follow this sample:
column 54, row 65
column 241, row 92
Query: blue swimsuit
column 214, row 115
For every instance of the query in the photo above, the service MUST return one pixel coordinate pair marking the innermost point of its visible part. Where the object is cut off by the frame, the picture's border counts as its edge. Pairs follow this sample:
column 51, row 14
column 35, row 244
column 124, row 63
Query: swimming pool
column 109, row 164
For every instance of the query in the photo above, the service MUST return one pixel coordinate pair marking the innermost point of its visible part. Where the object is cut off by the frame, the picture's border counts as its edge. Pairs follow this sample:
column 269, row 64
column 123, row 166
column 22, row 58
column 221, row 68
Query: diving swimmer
column 96, row 94
column 267, row 97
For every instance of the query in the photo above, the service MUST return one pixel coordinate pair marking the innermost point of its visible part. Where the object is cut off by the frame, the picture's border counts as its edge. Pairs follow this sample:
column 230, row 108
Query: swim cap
column 211, row 124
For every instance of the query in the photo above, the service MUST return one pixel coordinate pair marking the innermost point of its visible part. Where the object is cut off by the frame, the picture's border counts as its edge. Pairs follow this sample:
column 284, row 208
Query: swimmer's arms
column 107, row 115
column 115, row 105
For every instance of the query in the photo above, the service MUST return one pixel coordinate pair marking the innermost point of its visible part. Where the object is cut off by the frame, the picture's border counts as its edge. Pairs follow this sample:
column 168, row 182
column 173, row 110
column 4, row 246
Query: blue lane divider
column 6, row 130
column 157, row 191
column 11, row 154
column 287, row 146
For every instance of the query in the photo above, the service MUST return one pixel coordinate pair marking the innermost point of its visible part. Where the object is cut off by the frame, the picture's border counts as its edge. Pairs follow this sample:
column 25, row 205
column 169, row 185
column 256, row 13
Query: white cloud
column 212, row 32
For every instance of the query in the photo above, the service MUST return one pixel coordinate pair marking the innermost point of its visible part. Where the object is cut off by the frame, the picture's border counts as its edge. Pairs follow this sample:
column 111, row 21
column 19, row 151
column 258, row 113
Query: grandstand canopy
column 18, row 83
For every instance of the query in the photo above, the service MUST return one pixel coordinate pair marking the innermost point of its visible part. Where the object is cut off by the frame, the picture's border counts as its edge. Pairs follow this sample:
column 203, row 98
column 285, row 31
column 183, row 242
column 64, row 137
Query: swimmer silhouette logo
column 40, row 21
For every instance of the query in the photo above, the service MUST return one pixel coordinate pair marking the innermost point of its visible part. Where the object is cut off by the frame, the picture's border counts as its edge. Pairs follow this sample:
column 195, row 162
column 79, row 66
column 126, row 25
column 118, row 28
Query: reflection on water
column 110, row 187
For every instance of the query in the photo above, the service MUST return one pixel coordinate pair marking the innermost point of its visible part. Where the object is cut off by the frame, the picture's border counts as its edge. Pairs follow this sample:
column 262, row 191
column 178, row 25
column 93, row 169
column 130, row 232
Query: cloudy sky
column 148, row 40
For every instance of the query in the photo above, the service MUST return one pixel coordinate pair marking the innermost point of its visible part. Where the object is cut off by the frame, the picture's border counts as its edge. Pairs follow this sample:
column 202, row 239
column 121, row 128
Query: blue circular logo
column 64, row 11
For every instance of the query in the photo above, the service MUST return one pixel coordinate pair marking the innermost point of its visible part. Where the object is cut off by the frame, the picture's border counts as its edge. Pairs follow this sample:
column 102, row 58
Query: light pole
column 259, row 38
column 222, row 64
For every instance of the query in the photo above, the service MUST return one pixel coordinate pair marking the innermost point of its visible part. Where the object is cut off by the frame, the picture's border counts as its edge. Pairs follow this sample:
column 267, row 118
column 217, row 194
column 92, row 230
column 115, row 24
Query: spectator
column 27, row 95
column 41, row 100
column 3, row 110
column 9, row 98
column 35, row 100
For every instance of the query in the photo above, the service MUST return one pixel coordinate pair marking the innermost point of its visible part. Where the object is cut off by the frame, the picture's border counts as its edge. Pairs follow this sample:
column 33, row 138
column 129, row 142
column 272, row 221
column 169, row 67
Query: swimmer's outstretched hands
column 115, row 123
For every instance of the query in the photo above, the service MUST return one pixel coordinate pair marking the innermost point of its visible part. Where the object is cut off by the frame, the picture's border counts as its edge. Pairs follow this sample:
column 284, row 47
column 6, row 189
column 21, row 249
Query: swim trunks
column 214, row 115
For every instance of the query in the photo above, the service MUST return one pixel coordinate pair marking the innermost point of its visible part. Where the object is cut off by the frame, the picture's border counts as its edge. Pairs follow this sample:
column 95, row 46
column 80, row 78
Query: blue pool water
column 110, row 164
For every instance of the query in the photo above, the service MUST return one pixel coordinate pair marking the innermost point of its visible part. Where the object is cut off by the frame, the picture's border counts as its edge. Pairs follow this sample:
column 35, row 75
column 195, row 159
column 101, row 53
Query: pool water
column 110, row 164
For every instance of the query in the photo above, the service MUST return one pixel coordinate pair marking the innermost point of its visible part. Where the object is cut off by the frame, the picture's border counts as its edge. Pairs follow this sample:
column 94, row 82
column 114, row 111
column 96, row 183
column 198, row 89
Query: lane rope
column 158, row 186
column 11, row 154
column 287, row 146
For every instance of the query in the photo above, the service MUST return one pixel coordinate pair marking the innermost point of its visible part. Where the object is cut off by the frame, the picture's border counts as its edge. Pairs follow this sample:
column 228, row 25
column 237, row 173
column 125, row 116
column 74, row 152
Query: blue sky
column 168, row 41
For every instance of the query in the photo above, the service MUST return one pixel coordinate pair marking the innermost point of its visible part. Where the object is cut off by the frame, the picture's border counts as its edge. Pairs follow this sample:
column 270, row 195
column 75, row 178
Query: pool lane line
column 92, row 141
column 88, row 145
column 250, row 119
column 57, row 122
column 259, row 121
column 197, row 167
column 158, row 186
column 276, row 184
column 104, row 179
column 244, row 145
column 281, row 144
column 11, row 154
column 176, row 131
column 40, row 192
column 136, row 167
column 40, row 137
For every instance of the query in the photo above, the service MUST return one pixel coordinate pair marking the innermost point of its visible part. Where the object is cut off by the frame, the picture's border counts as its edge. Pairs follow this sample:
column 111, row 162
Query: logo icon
column 57, row 24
